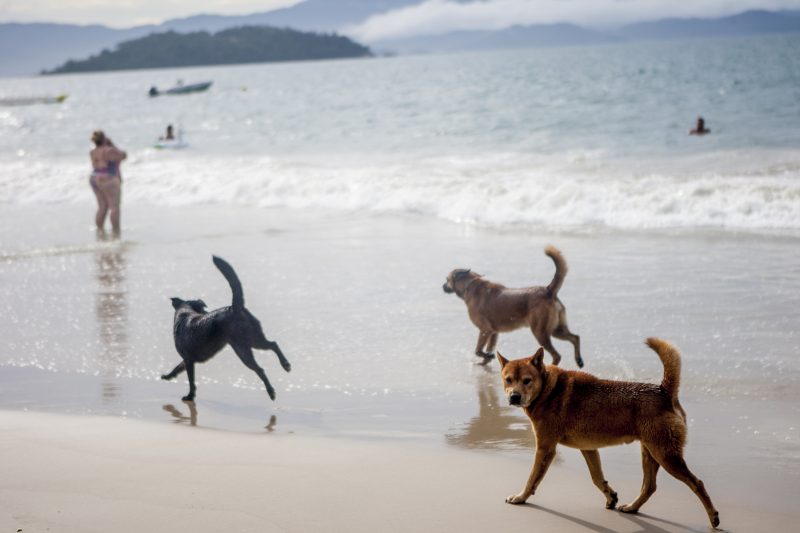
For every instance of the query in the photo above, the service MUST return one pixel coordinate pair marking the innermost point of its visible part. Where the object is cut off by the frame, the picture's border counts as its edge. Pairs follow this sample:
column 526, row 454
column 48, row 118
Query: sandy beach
column 69, row 473
column 386, row 421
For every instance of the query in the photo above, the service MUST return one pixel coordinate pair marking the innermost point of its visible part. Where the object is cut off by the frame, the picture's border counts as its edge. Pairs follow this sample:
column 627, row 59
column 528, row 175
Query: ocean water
column 586, row 139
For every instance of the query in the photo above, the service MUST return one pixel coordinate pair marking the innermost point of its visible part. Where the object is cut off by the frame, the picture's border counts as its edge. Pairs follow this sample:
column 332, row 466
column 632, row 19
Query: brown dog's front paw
column 516, row 499
column 715, row 520
column 612, row 501
column 627, row 509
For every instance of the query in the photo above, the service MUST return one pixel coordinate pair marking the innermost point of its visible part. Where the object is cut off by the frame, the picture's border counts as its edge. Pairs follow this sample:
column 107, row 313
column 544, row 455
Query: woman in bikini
column 106, row 180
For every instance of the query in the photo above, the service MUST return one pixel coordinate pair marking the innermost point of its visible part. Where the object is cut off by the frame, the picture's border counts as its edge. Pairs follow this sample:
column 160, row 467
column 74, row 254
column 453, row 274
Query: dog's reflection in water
column 496, row 425
column 179, row 417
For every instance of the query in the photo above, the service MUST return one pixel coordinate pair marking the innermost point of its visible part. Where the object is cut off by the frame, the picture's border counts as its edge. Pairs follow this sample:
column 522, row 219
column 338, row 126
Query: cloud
column 126, row 13
column 441, row 16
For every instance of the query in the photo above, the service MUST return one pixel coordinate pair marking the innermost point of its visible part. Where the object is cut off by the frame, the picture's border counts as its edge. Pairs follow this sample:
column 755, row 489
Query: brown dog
column 581, row 411
column 494, row 308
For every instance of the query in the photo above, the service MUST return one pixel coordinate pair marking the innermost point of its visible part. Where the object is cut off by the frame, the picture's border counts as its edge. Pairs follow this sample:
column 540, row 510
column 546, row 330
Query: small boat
column 180, row 88
column 30, row 100
column 171, row 144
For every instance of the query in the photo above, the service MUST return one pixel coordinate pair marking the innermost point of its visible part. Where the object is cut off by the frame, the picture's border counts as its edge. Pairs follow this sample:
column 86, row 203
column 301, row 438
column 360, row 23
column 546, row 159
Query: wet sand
column 382, row 362
column 67, row 473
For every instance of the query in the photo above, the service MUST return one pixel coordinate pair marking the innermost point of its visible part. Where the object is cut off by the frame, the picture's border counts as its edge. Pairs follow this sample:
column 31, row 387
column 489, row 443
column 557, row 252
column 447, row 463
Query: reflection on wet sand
column 111, row 313
column 496, row 426
column 179, row 417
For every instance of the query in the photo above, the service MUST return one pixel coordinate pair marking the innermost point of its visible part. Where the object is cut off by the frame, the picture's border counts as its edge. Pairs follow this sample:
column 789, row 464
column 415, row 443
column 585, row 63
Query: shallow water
column 377, row 348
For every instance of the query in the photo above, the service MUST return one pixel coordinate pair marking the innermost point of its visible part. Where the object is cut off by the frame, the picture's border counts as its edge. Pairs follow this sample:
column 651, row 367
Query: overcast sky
column 436, row 16
column 432, row 16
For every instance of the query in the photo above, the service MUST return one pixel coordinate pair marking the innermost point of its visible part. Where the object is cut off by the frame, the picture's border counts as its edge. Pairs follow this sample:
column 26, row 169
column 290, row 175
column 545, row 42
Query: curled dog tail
column 671, row 359
column 233, row 281
column 561, row 270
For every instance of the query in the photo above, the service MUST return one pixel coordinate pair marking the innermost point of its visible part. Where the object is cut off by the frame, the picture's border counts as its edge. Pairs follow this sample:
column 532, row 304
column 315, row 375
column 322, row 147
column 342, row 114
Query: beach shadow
column 645, row 522
column 111, row 313
column 496, row 426
column 273, row 421
column 583, row 523
column 180, row 418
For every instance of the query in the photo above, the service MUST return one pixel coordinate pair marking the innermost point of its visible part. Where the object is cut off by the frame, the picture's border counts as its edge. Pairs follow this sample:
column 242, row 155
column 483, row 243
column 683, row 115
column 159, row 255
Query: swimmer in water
column 700, row 128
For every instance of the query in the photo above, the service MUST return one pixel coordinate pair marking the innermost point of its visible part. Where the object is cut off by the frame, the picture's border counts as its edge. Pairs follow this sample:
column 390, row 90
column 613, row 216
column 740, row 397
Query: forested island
column 250, row 44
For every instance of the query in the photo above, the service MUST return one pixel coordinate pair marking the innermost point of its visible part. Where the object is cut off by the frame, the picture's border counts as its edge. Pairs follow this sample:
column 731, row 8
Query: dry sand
column 79, row 473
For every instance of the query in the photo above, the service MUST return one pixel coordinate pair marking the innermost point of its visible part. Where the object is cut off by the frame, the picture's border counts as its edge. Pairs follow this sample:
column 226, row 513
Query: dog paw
column 271, row 393
column 715, row 520
column 579, row 362
column 188, row 398
column 166, row 377
column 516, row 499
column 286, row 366
column 612, row 503
column 627, row 509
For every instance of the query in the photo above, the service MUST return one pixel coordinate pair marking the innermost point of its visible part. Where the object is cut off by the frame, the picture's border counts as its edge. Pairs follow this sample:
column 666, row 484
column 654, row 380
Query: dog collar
column 464, row 290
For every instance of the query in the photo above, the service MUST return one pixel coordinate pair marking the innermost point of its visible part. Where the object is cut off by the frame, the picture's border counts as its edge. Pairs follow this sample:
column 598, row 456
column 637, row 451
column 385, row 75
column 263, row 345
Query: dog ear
column 537, row 359
column 503, row 360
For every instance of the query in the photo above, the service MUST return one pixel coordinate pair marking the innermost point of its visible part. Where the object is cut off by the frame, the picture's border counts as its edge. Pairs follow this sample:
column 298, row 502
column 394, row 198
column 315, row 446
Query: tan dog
column 581, row 411
column 494, row 308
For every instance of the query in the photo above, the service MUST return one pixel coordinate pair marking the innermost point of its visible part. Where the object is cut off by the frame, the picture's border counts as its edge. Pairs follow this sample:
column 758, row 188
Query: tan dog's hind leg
column 562, row 332
column 546, row 343
column 676, row 466
column 542, row 461
column 596, row 470
column 650, row 469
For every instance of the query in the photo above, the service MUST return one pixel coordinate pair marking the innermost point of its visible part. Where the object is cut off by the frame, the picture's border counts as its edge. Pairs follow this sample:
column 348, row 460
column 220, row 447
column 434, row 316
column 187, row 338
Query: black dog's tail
column 561, row 270
column 233, row 281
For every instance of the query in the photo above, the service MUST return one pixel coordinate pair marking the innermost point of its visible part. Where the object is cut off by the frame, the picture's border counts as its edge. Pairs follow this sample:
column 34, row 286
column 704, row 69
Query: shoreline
column 382, row 358
column 74, row 473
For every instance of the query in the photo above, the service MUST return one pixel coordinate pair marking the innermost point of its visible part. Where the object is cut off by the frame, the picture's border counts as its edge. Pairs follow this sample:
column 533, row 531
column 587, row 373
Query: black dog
column 199, row 335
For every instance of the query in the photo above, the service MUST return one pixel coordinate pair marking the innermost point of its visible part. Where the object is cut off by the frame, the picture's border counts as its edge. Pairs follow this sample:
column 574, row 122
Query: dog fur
column 581, row 411
column 496, row 309
column 199, row 335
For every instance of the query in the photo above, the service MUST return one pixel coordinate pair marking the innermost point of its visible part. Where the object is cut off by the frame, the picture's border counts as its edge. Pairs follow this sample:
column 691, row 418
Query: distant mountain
column 26, row 49
column 514, row 37
column 250, row 44
column 747, row 23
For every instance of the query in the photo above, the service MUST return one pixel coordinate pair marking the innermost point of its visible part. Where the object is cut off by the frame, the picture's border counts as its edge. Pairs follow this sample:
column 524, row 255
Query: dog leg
column 270, row 345
column 542, row 461
column 192, row 389
column 245, row 353
column 483, row 338
column 674, row 464
column 490, row 347
column 650, row 469
column 596, row 470
column 175, row 371
column 547, row 344
column 562, row 332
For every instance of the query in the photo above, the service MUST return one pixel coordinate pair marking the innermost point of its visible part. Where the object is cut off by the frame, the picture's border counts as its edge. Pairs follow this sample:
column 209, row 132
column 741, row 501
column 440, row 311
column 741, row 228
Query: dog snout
column 515, row 398
column 446, row 288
